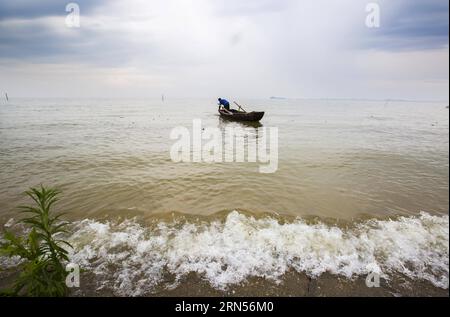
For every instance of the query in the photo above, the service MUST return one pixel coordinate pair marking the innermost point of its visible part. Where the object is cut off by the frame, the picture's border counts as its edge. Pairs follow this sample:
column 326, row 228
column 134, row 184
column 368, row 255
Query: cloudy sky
column 236, row 48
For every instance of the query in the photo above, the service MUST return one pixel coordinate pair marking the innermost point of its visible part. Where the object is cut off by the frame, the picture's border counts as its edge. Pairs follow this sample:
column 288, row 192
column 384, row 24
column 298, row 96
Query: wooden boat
column 241, row 115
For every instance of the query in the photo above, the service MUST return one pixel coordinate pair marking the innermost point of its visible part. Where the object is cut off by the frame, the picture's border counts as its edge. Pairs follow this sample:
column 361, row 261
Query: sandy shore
column 292, row 284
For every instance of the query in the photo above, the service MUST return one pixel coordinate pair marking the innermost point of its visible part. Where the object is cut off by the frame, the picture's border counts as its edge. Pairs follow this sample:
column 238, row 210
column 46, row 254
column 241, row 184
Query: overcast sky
column 234, row 48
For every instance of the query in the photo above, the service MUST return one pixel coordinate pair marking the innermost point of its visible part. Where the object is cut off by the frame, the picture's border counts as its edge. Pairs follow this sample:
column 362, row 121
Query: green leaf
column 42, row 272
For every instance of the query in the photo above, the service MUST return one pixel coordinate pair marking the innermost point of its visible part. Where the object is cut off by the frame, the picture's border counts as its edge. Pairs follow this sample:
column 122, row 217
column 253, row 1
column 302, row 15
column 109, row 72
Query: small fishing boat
column 241, row 115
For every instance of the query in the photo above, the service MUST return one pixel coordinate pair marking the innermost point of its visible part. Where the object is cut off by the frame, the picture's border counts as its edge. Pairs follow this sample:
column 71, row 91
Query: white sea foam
column 132, row 259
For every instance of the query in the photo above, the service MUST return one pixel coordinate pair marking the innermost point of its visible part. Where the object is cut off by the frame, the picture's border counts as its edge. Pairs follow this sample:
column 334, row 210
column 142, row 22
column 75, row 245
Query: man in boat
column 224, row 103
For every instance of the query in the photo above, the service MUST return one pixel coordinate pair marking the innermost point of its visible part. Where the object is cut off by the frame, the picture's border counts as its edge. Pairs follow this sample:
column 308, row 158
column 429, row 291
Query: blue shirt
column 224, row 103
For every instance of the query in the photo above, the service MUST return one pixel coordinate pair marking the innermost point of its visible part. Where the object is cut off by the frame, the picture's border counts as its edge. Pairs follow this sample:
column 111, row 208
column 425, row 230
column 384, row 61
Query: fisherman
column 224, row 103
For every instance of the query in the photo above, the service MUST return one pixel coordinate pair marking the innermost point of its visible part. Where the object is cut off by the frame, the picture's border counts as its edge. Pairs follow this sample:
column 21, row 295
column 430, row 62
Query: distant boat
column 278, row 98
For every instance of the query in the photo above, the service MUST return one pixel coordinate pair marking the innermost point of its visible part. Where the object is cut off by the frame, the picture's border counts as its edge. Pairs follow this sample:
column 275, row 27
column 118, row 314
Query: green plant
column 42, row 253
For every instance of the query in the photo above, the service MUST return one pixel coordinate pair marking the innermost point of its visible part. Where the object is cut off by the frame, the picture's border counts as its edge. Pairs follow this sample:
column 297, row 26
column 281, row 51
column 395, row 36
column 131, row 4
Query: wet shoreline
column 292, row 284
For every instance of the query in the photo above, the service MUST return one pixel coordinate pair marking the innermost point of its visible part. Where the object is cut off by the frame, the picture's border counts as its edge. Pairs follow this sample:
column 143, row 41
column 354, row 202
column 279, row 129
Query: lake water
column 345, row 167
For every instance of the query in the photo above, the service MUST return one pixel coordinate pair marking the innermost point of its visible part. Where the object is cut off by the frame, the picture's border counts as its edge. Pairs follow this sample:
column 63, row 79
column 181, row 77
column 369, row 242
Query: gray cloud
column 410, row 25
column 26, row 9
column 250, row 7
column 253, row 47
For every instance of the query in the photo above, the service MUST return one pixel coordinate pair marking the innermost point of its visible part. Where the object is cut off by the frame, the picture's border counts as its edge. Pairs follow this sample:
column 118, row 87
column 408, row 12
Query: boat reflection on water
column 246, row 128
column 224, row 122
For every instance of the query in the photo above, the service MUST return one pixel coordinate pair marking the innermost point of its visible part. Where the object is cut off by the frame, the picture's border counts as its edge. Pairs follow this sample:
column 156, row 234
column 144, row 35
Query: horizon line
column 248, row 98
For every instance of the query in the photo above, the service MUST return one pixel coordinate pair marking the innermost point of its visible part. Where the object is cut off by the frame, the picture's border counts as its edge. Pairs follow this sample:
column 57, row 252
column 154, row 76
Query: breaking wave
column 133, row 259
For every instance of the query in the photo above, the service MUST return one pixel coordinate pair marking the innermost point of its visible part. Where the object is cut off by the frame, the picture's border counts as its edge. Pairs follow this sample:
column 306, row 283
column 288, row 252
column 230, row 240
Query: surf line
column 186, row 307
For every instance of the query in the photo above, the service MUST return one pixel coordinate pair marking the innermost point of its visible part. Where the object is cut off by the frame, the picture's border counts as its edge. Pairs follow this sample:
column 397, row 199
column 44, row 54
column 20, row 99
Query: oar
column 239, row 106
